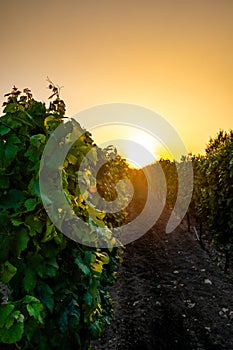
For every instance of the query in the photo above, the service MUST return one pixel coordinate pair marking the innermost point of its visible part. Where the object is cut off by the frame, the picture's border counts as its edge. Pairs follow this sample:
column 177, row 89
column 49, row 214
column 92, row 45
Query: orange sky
column 175, row 57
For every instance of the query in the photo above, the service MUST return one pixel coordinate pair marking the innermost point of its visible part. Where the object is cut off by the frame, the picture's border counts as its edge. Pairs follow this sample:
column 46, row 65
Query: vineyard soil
column 170, row 294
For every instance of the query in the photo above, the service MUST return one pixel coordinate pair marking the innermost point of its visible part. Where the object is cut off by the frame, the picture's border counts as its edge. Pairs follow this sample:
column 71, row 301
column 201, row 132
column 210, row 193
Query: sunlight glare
column 114, row 134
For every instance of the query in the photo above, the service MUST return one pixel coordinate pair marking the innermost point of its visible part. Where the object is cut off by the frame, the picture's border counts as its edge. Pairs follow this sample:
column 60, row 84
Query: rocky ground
column 170, row 294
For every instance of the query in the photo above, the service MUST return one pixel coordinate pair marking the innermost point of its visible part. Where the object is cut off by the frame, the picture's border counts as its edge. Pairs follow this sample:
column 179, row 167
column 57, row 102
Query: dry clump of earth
column 170, row 295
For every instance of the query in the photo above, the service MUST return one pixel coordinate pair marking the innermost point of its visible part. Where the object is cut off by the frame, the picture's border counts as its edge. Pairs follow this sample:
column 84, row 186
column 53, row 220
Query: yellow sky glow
column 115, row 135
column 174, row 57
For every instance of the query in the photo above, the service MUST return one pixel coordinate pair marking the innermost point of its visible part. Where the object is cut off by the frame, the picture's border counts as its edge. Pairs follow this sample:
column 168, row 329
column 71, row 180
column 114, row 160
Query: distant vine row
column 212, row 201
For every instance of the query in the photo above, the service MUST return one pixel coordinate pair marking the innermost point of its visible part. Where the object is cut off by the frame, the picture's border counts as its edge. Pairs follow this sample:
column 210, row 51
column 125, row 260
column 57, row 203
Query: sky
column 173, row 57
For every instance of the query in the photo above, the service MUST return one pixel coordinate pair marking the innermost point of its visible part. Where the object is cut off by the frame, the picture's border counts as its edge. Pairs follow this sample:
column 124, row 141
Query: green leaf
column 33, row 154
column 21, row 240
column 50, row 232
column 4, row 130
column 36, row 225
column 12, row 335
column 35, row 310
column 13, row 139
column 95, row 330
column 89, row 257
column 11, row 151
column 10, row 108
column 16, row 223
column 46, row 296
column 5, row 311
column 11, row 319
column 29, row 280
column 84, row 268
column 29, row 299
column 88, row 298
column 34, row 187
column 70, row 318
column 7, row 271
column 44, row 267
column 13, row 199
column 51, row 267
column 30, row 204
column 35, row 149
column 37, row 140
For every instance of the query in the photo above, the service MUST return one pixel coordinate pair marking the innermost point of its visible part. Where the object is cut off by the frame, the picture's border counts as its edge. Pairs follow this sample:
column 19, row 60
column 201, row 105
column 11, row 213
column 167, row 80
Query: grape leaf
column 5, row 311
column 21, row 240
column 30, row 280
column 12, row 335
column 4, row 130
column 7, row 271
column 84, row 268
column 34, row 310
column 46, row 295
column 88, row 298
column 13, row 199
column 30, row 204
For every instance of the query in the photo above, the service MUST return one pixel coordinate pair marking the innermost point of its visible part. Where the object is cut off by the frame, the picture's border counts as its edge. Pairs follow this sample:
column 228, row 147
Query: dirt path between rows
column 170, row 295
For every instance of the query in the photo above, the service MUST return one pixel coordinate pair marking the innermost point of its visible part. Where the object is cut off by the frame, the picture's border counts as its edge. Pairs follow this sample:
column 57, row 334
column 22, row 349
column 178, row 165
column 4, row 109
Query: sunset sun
column 137, row 146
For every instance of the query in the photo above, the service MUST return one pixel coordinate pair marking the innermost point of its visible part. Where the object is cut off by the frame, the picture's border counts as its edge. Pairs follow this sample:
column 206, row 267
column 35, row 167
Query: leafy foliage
column 213, row 187
column 54, row 292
